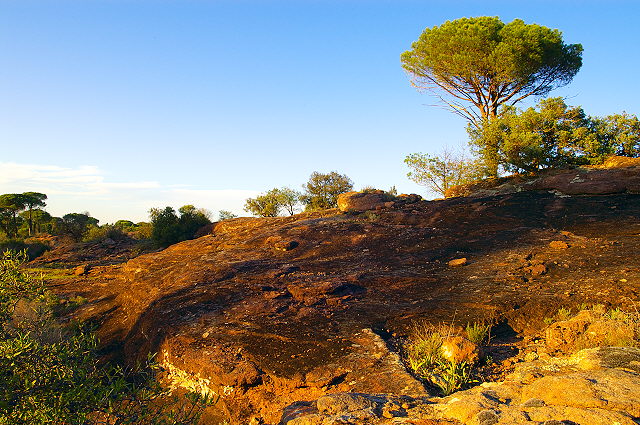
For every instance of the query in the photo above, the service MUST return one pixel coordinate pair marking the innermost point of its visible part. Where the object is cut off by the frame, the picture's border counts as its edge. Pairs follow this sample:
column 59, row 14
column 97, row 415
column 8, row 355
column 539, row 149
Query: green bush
column 425, row 359
column 33, row 249
column 169, row 228
column 101, row 233
column 50, row 372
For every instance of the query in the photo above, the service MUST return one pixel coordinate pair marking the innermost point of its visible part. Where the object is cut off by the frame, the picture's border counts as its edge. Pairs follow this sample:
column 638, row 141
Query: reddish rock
column 558, row 245
column 457, row 262
column 82, row 270
column 361, row 201
column 537, row 269
column 283, row 327
column 458, row 349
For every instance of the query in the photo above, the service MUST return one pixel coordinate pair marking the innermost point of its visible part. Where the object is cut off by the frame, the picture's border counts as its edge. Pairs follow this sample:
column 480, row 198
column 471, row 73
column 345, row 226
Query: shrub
column 108, row 231
column 322, row 190
column 425, row 359
column 169, row 228
column 50, row 372
column 33, row 249
column 477, row 332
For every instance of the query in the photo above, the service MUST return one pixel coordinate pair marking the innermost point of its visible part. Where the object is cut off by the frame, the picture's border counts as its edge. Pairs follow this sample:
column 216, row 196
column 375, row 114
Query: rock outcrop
column 616, row 175
column 269, row 312
column 592, row 387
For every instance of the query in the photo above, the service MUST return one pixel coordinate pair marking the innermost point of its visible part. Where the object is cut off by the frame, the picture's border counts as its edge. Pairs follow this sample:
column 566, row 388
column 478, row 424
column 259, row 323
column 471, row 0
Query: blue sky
column 117, row 106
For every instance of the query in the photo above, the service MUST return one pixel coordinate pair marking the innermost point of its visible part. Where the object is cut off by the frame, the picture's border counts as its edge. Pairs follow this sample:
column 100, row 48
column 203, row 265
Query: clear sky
column 117, row 106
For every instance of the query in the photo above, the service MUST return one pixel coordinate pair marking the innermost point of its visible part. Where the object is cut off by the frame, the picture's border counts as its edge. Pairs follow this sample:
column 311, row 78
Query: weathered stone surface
column 458, row 349
column 616, row 175
column 558, row 393
column 558, row 245
column 588, row 329
column 82, row 270
column 286, row 325
column 457, row 262
column 361, row 201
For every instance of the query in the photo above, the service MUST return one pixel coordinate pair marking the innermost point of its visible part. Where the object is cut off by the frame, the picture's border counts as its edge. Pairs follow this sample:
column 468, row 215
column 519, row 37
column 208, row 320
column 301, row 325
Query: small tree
column 289, row 199
column 271, row 203
column 169, row 228
column 322, row 190
column 76, row 225
column 440, row 172
column 225, row 215
column 31, row 201
column 617, row 134
column 11, row 204
column 551, row 135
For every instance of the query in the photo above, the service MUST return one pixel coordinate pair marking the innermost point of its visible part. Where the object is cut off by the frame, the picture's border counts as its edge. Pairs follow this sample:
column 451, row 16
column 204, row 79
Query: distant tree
column 271, row 203
column 225, row 215
column 322, row 190
column 169, row 228
column 125, row 225
column 440, row 172
column 11, row 204
column 289, row 199
column 617, row 134
column 41, row 220
column 77, row 224
column 33, row 200
column 264, row 205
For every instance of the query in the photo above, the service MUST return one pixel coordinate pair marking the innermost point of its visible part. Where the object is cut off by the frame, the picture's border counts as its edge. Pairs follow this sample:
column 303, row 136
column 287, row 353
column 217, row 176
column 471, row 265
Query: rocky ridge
column 270, row 313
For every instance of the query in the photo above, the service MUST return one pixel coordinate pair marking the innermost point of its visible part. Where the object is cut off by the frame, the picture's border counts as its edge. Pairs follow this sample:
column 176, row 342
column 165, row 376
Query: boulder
column 457, row 349
column 82, row 270
column 362, row 201
column 457, row 262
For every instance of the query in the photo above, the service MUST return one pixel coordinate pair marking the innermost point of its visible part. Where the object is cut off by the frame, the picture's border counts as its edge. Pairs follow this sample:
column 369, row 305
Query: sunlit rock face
column 267, row 312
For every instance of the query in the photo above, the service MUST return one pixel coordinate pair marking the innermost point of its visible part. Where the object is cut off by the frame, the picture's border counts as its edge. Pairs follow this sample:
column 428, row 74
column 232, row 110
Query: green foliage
column 441, row 172
column 169, row 228
column 101, row 233
column 423, row 349
column 31, row 201
column 553, row 135
column 271, row 203
column 475, row 65
column 50, row 373
column 75, row 225
column 453, row 376
column 322, row 190
column 477, row 333
column 125, row 225
column 225, row 215
column 11, row 204
column 32, row 248
column 424, row 356
column 617, row 134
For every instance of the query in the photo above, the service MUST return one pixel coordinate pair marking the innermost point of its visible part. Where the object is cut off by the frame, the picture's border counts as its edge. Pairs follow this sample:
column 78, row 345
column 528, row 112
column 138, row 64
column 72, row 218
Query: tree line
column 319, row 192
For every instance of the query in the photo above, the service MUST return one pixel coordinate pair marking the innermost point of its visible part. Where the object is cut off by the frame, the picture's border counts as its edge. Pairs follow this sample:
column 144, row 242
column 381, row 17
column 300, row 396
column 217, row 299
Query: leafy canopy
column 50, row 373
column 322, row 190
column 475, row 65
column 553, row 135
column 169, row 228
column 271, row 203
column 440, row 172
